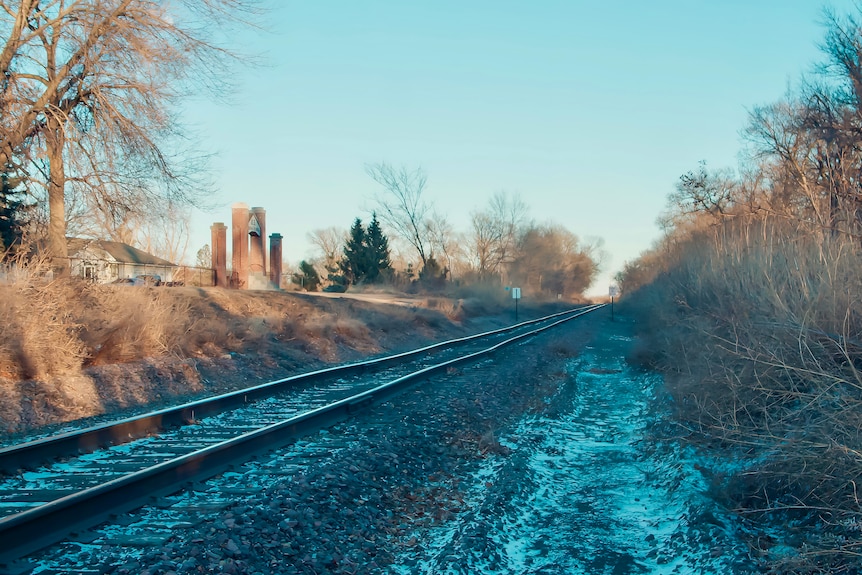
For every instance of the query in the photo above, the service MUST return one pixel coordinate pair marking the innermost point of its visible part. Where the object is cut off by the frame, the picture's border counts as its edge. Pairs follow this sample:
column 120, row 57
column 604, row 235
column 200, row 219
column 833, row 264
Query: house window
column 89, row 272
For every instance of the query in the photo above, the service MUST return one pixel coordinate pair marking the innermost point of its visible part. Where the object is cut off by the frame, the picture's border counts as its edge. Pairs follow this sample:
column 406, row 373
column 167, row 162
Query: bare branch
column 402, row 206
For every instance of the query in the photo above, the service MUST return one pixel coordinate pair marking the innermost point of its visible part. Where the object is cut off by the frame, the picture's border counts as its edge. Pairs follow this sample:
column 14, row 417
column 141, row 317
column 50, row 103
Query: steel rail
column 30, row 454
column 28, row 531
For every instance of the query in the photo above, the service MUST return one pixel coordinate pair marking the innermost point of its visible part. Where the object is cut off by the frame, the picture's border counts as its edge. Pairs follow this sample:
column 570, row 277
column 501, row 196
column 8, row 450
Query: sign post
column 613, row 291
column 516, row 295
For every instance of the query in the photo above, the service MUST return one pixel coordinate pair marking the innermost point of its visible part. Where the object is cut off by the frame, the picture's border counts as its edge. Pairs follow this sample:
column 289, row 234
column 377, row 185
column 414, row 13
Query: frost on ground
column 585, row 490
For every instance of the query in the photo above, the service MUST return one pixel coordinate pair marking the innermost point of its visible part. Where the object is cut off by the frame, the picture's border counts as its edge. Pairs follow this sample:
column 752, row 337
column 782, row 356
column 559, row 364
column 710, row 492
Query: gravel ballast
column 503, row 466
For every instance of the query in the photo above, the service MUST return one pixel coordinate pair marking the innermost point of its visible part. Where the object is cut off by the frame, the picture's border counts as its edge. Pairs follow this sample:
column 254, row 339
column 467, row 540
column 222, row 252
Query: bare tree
column 813, row 139
column 593, row 247
column 166, row 233
column 495, row 233
column 551, row 260
column 87, row 89
column 483, row 242
column 702, row 195
column 329, row 241
column 778, row 134
column 88, row 215
column 444, row 242
column 204, row 257
column 402, row 206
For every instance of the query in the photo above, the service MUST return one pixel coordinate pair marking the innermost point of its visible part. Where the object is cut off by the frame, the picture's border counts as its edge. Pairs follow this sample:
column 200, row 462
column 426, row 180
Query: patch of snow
column 586, row 491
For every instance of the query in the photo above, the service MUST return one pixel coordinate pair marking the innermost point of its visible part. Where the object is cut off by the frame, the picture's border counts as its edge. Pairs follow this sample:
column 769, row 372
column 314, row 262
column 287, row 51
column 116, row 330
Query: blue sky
column 590, row 110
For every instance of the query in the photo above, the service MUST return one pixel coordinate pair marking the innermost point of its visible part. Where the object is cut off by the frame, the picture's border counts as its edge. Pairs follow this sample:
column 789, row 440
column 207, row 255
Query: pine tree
column 366, row 254
column 433, row 275
column 307, row 277
column 354, row 265
column 377, row 247
column 13, row 212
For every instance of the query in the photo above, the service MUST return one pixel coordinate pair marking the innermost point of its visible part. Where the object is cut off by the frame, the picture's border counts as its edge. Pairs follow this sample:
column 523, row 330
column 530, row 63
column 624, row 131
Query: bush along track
column 538, row 460
column 759, row 338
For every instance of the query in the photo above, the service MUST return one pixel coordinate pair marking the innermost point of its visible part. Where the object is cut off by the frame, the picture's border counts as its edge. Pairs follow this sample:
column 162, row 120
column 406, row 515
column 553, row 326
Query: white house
column 102, row 261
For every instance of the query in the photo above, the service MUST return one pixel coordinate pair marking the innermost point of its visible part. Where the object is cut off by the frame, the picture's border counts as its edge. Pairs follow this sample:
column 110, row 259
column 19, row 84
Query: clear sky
column 590, row 110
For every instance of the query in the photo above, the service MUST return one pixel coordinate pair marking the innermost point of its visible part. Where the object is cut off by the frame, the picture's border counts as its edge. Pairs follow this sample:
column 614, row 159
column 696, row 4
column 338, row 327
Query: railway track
column 55, row 486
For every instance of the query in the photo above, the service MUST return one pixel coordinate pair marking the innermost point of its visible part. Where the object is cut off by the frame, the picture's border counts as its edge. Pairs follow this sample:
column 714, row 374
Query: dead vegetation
column 41, row 335
column 762, row 343
column 71, row 349
column 751, row 304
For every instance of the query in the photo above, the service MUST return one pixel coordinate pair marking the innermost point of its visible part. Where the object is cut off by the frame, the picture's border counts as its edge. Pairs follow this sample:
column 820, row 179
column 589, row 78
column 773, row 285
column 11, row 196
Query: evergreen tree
column 13, row 211
column 337, row 282
column 433, row 275
column 354, row 264
column 366, row 254
column 307, row 277
column 377, row 247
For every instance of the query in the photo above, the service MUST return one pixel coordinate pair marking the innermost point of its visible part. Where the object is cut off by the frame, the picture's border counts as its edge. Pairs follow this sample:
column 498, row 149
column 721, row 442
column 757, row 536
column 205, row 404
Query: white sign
column 614, row 290
column 516, row 293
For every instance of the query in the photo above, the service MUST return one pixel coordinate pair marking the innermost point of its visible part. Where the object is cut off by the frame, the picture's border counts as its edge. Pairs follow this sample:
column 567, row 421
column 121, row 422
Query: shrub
column 760, row 331
column 40, row 334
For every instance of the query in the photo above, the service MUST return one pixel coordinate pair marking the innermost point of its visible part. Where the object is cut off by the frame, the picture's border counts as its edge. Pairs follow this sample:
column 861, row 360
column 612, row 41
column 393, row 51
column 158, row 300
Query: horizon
column 590, row 113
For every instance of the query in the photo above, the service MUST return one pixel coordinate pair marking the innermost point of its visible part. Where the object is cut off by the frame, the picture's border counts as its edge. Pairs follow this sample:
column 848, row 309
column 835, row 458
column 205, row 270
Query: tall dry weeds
column 41, row 334
column 55, row 327
column 128, row 324
column 760, row 329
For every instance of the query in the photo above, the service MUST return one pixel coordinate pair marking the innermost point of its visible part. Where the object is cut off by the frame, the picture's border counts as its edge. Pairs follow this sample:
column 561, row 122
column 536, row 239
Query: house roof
column 119, row 251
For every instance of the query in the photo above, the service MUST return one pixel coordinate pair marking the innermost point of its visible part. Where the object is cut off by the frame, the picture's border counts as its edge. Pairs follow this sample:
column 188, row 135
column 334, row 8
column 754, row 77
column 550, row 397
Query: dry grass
column 760, row 330
column 40, row 335
column 70, row 349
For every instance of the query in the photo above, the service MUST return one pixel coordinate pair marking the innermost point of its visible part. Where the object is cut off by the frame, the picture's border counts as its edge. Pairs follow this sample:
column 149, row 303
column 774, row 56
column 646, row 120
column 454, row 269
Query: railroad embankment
column 70, row 350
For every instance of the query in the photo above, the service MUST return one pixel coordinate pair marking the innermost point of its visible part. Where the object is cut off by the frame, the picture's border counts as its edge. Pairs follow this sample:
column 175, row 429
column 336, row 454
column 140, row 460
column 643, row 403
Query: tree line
column 91, row 144
column 803, row 154
column 750, row 304
column 503, row 246
column 801, row 164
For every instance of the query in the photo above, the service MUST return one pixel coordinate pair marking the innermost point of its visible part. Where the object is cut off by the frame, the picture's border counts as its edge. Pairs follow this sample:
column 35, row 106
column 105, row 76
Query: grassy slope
column 73, row 350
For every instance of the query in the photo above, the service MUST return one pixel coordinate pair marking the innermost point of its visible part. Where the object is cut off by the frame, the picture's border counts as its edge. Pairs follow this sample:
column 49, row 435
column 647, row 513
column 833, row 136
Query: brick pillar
column 257, row 254
column 219, row 254
column 239, row 260
column 275, row 260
